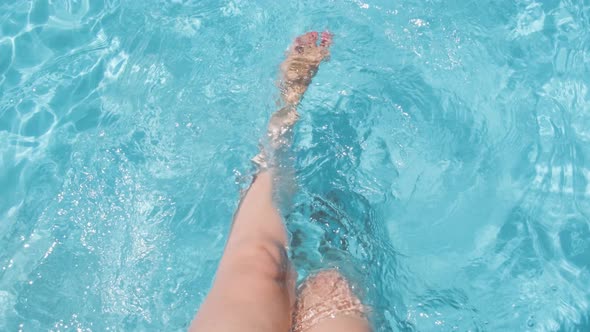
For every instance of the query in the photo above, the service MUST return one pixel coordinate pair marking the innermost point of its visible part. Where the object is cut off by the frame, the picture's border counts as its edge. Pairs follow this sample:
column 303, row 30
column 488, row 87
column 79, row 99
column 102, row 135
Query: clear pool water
column 442, row 157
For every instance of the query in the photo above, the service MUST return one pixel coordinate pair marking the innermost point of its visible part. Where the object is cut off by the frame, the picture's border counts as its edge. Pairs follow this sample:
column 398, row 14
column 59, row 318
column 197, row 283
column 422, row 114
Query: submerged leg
column 326, row 303
column 254, row 289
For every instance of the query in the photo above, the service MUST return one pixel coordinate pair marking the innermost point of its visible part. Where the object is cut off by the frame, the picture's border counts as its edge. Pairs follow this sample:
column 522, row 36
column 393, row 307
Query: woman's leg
column 326, row 303
column 254, row 286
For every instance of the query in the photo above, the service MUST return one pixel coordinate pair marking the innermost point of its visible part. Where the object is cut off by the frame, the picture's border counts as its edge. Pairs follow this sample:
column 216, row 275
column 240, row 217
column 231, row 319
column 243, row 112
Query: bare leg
column 253, row 289
column 255, row 284
column 303, row 60
column 326, row 303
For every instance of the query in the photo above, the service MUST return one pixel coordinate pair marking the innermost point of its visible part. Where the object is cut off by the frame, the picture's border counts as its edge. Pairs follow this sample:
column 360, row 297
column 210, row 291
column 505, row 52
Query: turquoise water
column 442, row 157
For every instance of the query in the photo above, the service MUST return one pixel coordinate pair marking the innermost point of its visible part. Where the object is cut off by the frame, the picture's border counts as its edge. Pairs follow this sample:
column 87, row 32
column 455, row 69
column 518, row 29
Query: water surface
column 441, row 157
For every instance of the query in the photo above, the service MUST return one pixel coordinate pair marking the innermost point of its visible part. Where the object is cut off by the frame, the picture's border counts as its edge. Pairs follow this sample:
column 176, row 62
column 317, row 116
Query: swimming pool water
column 441, row 157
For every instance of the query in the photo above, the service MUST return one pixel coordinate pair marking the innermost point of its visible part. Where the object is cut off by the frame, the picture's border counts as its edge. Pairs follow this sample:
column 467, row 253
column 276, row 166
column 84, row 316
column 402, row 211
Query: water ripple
column 441, row 158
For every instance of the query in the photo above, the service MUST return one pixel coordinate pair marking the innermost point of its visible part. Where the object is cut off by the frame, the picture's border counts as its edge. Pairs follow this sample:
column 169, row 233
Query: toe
column 308, row 39
column 312, row 38
column 326, row 39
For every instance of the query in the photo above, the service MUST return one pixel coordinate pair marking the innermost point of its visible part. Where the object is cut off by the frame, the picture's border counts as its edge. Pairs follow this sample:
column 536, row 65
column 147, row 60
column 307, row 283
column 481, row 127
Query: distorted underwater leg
column 326, row 302
column 254, row 288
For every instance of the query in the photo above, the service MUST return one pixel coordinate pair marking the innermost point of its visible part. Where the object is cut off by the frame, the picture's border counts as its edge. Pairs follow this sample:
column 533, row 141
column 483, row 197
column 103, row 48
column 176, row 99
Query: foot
column 303, row 60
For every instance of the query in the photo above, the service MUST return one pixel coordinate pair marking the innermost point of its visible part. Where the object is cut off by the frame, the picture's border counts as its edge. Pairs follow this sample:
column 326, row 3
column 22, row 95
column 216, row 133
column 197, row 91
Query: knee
column 260, row 258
